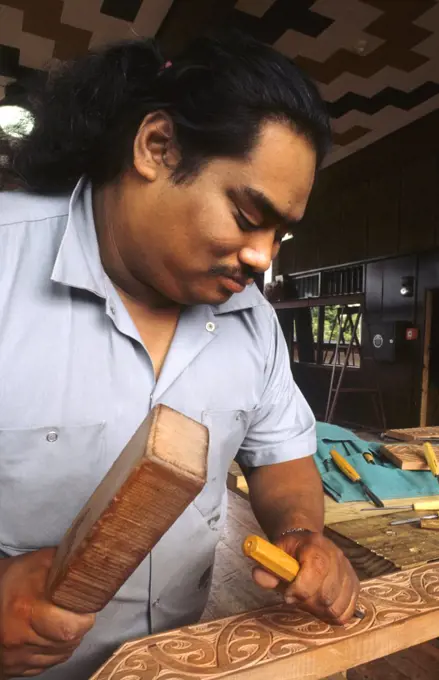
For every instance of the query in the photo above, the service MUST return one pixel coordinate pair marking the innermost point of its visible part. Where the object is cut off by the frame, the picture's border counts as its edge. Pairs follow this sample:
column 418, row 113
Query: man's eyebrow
column 266, row 206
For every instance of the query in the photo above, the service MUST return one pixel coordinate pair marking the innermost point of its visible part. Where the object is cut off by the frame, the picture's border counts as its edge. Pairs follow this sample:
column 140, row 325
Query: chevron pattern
column 68, row 40
column 127, row 11
column 351, row 135
column 33, row 32
column 395, row 26
column 282, row 15
column 390, row 96
column 376, row 61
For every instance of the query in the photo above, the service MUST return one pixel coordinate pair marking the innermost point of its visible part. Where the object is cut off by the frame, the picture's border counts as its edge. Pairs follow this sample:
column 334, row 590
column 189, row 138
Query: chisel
column 413, row 520
column 431, row 459
column 277, row 561
column 419, row 506
column 351, row 473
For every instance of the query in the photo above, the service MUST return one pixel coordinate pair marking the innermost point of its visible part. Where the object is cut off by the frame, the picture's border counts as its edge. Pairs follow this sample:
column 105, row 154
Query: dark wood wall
column 378, row 202
column 400, row 379
column 379, row 206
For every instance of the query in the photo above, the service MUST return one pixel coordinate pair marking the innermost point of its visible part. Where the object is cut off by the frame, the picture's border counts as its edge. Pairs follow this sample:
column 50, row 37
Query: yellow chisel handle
column 276, row 560
column 344, row 466
column 424, row 505
column 271, row 557
column 431, row 459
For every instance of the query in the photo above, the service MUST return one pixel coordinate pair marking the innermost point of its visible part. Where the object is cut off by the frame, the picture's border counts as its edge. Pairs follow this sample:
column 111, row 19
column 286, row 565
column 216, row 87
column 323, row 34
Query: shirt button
column 214, row 520
column 112, row 309
column 210, row 326
column 52, row 436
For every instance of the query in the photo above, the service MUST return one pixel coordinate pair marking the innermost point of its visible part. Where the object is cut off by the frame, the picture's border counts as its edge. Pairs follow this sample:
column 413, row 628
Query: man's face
column 202, row 241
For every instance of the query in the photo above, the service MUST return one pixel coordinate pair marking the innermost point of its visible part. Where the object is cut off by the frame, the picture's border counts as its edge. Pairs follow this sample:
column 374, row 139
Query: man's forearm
column 287, row 495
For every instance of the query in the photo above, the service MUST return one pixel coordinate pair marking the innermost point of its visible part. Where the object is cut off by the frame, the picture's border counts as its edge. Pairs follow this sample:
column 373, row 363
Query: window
column 327, row 334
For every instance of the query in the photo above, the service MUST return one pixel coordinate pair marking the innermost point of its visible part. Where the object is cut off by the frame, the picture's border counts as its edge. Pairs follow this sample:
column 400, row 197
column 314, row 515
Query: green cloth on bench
column 383, row 478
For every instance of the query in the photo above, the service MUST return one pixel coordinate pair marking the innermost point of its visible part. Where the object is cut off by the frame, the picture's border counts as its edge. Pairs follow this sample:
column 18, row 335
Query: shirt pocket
column 46, row 476
column 227, row 431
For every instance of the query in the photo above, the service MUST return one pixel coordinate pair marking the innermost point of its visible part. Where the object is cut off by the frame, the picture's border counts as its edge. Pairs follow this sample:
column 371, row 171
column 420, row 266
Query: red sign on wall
column 411, row 334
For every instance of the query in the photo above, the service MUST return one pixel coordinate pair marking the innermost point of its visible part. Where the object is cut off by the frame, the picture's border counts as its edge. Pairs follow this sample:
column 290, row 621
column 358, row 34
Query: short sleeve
column 283, row 427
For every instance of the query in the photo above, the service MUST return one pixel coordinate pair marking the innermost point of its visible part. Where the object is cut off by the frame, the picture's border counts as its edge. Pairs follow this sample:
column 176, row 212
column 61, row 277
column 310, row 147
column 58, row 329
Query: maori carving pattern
column 219, row 648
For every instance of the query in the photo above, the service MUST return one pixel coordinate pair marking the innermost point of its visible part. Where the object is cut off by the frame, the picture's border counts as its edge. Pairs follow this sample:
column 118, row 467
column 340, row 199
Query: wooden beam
column 188, row 19
column 401, row 610
column 426, row 359
column 317, row 302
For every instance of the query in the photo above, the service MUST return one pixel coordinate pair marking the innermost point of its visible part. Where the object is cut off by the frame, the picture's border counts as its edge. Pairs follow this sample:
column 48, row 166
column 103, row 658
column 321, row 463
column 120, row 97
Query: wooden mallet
column 158, row 474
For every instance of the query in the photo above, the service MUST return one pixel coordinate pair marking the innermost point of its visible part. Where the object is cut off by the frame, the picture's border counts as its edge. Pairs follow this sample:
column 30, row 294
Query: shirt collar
column 78, row 262
column 249, row 298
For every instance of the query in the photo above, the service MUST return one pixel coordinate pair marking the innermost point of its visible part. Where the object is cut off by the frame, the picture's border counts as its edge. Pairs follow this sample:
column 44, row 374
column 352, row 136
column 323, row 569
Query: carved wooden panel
column 374, row 548
column 407, row 456
column 279, row 642
column 410, row 434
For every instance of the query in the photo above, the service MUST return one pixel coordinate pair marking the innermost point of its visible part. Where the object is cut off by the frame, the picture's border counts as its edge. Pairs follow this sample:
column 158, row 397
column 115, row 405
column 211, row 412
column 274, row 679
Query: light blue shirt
column 75, row 383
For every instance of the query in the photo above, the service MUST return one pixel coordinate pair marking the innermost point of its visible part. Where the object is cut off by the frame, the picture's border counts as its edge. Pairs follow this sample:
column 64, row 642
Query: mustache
column 241, row 273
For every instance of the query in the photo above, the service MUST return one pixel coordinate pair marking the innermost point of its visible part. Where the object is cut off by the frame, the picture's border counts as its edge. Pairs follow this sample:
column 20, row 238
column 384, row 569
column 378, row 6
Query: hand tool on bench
column 275, row 560
column 350, row 472
column 158, row 474
column 419, row 506
column 431, row 524
column 413, row 520
column 431, row 459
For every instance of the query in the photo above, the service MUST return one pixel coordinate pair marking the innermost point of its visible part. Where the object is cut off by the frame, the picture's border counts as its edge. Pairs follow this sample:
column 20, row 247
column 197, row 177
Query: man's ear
column 154, row 147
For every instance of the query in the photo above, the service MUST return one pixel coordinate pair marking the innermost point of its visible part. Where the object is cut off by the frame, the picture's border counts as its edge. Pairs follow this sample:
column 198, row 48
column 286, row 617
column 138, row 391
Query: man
column 154, row 193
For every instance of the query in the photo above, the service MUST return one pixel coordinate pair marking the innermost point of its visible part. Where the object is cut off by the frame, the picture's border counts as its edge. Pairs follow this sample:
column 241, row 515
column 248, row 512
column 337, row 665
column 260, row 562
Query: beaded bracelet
column 297, row 530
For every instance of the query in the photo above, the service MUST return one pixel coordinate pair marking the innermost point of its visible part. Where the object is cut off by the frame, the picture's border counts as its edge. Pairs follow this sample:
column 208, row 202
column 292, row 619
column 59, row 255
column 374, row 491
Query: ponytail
column 87, row 112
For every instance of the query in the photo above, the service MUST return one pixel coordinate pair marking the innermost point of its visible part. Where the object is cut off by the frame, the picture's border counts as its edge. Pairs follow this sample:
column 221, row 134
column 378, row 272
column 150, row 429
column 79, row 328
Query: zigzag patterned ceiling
column 376, row 61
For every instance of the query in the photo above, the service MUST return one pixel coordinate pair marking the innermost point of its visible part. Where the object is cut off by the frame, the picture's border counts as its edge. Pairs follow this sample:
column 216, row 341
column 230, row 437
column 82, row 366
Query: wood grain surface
column 280, row 642
column 158, row 474
column 376, row 548
column 411, row 434
column 408, row 456
column 432, row 524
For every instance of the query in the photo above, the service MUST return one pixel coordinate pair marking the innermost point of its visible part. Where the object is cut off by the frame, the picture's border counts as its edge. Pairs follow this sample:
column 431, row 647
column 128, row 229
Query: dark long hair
column 218, row 92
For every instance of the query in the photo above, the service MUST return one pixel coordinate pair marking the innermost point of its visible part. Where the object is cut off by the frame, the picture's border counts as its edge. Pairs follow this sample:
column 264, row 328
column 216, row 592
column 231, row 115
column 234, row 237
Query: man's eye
column 244, row 223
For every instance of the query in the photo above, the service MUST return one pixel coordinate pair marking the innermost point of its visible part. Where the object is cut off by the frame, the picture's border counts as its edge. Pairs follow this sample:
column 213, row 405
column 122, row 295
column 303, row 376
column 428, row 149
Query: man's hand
column 34, row 634
column 326, row 585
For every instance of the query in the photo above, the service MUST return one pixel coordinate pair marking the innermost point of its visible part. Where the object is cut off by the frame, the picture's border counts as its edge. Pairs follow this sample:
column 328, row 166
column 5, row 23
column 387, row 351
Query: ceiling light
column 361, row 47
column 16, row 121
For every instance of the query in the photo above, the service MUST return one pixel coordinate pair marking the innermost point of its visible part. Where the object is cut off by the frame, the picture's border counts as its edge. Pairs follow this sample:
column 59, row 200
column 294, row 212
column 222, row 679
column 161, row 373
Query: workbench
column 234, row 641
column 334, row 512
column 373, row 547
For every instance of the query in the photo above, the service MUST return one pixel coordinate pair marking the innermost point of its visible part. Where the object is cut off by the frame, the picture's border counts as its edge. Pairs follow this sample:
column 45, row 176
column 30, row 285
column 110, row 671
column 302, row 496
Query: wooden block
column 407, row 456
column 401, row 610
column 366, row 562
column 375, row 548
column 410, row 434
column 158, row 474
column 432, row 524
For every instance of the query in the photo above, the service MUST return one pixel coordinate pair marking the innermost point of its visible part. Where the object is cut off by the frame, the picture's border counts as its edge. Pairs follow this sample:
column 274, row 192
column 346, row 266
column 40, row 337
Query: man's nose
column 258, row 252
